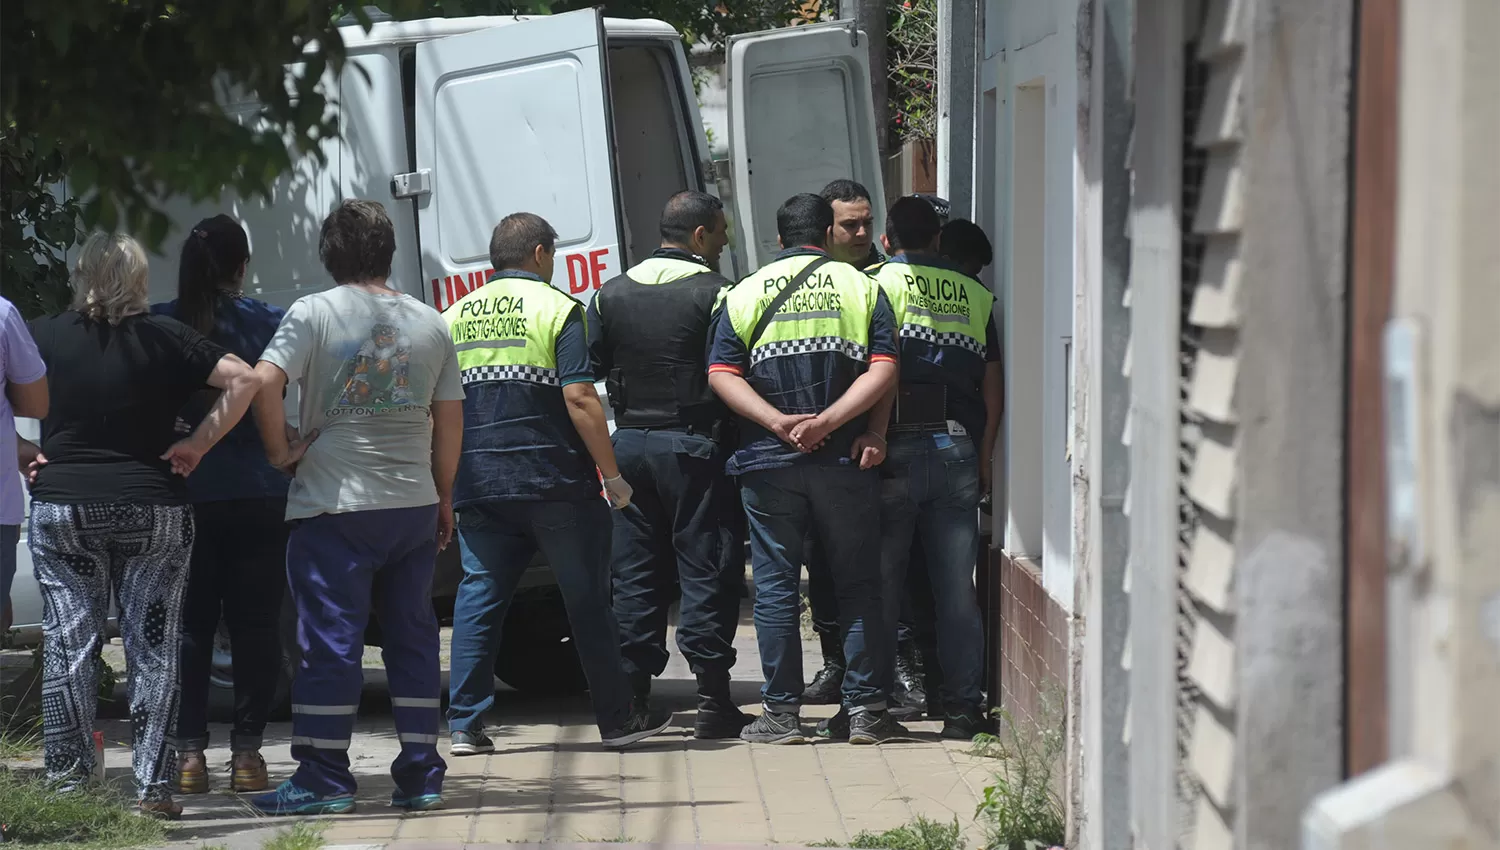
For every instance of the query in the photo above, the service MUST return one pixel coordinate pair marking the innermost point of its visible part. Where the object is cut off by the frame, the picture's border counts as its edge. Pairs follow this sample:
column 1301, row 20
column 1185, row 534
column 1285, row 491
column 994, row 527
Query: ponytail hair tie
column 201, row 234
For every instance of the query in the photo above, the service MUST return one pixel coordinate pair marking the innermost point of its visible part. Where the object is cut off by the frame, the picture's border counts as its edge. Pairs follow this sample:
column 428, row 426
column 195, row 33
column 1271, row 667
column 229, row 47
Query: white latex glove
column 618, row 491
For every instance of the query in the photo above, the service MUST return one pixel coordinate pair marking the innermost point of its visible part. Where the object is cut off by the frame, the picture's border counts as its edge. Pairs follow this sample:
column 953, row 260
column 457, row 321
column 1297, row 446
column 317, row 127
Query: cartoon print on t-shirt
column 377, row 378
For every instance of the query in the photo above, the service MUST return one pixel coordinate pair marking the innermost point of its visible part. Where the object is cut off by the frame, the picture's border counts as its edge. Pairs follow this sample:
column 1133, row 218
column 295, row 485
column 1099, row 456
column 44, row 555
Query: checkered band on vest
column 852, row 350
column 534, row 374
column 922, row 332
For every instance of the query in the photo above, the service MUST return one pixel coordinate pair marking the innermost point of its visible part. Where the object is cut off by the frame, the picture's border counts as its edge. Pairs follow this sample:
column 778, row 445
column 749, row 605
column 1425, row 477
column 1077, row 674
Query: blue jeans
column 497, row 541
column 916, row 605
column 674, row 532
column 930, row 489
column 339, row 566
column 841, row 505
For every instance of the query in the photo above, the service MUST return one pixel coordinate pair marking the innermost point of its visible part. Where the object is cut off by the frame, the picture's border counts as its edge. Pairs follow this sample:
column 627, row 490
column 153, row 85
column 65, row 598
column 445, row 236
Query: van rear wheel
column 537, row 654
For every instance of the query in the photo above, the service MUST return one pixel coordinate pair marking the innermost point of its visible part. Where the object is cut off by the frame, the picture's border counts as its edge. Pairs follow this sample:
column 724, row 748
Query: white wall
column 1031, row 45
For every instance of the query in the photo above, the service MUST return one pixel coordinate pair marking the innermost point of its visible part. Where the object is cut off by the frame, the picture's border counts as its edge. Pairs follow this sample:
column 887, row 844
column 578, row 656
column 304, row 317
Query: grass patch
column 1022, row 809
column 622, row 839
column 920, row 834
column 307, row 835
column 20, row 738
column 35, row 814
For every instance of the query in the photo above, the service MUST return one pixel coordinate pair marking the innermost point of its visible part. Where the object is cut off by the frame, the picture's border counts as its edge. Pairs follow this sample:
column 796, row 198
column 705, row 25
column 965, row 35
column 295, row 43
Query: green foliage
column 125, row 98
column 93, row 816
column 911, row 51
column 306, row 835
column 128, row 93
column 108, row 679
column 1022, row 810
column 20, row 736
column 36, row 227
column 920, row 834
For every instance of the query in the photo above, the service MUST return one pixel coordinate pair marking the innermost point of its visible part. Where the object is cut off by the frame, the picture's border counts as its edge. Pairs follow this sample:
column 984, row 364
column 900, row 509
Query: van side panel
column 513, row 119
column 373, row 147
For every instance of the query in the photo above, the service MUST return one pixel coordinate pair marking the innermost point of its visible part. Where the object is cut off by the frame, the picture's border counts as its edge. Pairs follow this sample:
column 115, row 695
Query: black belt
column 920, row 407
column 918, row 428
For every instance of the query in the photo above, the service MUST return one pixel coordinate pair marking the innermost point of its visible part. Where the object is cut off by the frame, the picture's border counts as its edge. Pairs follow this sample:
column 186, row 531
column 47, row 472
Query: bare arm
column 588, row 417
column 994, row 408
column 270, row 413
column 742, row 398
column 29, row 458
column 238, row 385
column 867, row 391
column 447, row 442
column 880, row 413
column 29, row 400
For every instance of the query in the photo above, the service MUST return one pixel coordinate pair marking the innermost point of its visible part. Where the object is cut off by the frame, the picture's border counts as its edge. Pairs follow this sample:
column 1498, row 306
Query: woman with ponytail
column 238, row 564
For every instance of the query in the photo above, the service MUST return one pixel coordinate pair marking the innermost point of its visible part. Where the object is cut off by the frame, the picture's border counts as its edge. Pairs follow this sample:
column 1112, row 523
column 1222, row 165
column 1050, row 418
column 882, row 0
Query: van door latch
column 412, row 184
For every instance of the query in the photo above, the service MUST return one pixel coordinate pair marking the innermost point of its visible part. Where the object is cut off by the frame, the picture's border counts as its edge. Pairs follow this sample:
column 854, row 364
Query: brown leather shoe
column 162, row 809
column 249, row 772
column 192, row 773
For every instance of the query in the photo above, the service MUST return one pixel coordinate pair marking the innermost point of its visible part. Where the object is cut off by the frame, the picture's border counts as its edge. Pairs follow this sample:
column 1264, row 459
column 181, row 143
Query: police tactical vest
column 937, row 305
column 519, row 441
column 813, row 349
column 941, row 319
column 655, row 324
column 507, row 331
column 830, row 312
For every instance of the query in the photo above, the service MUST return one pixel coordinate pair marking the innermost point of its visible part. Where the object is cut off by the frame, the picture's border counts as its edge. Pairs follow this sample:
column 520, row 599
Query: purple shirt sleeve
column 23, row 363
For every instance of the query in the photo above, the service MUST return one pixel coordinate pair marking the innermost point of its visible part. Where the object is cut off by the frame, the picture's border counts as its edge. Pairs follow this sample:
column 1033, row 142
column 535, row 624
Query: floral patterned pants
column 81, row 555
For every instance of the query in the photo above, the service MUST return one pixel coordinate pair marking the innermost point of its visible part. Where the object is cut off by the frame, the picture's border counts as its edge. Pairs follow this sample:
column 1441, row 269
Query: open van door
column 514, row 119
column 800, row 115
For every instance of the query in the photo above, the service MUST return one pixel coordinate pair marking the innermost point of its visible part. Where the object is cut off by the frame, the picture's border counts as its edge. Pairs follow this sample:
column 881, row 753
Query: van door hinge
column 412, row 184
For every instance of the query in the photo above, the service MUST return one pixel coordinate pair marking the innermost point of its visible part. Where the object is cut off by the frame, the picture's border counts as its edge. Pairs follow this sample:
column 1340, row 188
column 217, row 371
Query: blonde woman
column 110, row 507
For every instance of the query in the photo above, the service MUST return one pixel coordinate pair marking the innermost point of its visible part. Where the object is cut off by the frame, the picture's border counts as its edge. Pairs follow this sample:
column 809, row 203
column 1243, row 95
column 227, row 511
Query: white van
column 590, row 122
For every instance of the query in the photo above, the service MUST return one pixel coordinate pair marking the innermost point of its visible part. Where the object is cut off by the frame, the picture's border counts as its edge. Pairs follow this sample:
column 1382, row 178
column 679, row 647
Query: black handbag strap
column 796, row 283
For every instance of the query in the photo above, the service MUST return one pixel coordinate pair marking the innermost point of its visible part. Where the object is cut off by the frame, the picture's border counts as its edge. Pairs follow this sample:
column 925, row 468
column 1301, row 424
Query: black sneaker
column 774, row 727
column 835, row 728
column 719, row 718
column 641, row 725
column 965, row 724
column 876, row 727
column 826, row 686
column 471, row 743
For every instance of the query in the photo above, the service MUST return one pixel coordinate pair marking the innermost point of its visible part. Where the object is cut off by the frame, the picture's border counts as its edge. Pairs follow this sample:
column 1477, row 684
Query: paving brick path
column 549, row 781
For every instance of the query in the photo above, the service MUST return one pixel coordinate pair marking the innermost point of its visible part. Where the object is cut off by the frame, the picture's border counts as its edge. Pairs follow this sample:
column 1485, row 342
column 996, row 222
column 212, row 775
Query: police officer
column 802, row 350
column 941, row 435
column 533, row 433
column 648, row 333
column 852, row 241
column 963, row 242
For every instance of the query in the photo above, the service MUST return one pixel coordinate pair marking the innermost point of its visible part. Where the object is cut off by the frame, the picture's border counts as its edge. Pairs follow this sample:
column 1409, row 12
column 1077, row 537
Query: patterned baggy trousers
column 81, row 553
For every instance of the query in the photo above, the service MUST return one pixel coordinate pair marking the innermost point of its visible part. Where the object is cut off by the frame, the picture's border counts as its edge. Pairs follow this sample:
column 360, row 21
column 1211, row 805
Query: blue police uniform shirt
column 236, row 467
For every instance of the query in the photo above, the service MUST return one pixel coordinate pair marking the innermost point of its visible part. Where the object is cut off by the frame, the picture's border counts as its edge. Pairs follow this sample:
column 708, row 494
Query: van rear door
column 514, row 119
column 800, row 115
